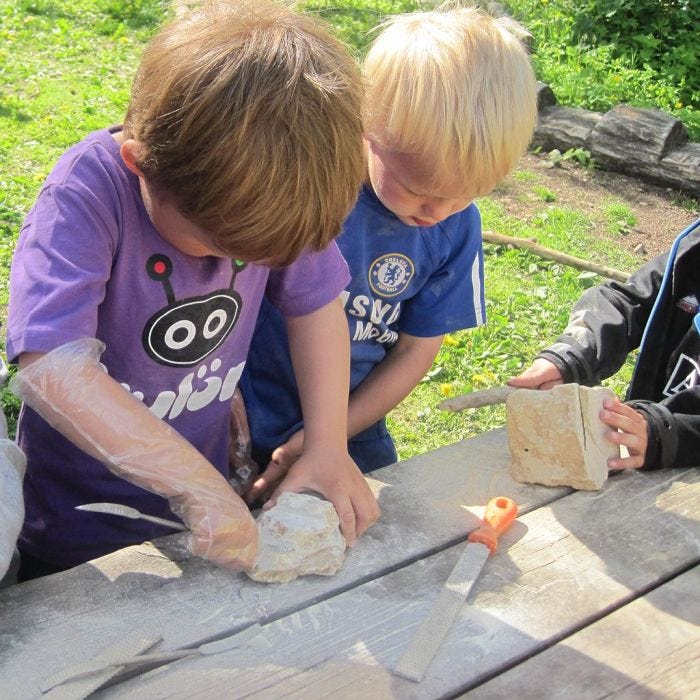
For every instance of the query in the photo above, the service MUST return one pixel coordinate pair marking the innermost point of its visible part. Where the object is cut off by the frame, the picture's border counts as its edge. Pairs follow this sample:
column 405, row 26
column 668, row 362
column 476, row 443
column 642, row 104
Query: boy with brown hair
column 138, row 278
column 449, row 108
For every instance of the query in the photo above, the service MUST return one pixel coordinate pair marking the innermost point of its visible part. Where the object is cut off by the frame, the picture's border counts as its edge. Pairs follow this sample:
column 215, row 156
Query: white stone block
column 556, row 437
column 300, row 535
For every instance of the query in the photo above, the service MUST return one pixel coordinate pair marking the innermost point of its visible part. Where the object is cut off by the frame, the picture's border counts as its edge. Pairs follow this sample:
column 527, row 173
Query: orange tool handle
column 500, row 513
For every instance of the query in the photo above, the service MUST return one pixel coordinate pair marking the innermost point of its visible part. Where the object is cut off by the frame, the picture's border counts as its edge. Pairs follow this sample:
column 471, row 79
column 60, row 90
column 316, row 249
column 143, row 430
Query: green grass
column 544, row 193
column 619, row 217
column 65, row 69
column 602, row 74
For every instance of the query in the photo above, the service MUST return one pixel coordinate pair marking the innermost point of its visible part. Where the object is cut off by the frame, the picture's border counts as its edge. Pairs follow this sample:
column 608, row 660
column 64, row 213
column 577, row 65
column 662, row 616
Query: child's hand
column 541, row 374
column 222, row 528
column 281, row 462
column 629, row 429
column 333, row 474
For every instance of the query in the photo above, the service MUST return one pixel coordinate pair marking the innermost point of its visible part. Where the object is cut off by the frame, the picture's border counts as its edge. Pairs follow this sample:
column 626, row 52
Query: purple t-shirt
column 177, row 328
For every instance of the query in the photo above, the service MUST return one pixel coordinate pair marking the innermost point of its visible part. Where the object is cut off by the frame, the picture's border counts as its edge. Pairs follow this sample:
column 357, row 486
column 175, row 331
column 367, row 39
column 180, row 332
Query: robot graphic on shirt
column 185, row 331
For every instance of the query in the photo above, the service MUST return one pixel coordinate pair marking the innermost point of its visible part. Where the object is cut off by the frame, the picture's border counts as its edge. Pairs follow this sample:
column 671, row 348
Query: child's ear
column 130, row 151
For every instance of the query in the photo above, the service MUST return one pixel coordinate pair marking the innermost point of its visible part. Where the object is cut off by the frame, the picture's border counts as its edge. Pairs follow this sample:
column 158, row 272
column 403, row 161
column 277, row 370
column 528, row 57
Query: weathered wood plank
column 647, row 649
column 560, row 568
column 427, row 503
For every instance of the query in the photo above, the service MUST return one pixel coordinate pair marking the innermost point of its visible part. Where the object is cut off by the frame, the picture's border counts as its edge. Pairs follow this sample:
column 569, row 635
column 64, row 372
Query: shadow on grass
column 10, row 111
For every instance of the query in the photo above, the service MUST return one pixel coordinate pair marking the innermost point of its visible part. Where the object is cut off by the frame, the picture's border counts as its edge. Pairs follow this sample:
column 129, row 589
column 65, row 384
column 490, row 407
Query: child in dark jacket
column 657, row 310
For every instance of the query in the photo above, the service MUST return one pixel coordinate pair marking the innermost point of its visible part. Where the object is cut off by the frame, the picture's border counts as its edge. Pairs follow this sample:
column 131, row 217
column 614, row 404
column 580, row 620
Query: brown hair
column 247, row 117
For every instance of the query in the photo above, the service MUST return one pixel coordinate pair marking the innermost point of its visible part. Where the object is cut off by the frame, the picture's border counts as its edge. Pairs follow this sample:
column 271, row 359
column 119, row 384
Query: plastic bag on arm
column 12, row 467
column 71, row 390
column 243, row 468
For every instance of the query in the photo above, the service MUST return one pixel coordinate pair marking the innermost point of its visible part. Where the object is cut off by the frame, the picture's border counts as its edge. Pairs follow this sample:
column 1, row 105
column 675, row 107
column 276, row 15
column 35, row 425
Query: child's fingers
column 636, row 446
column 362, row 509
column 629, row 429
column 256, row 491
column 346, row 515
column 632, row 462
column 356, row 506
column 623, row 417
column 549, row 385
column 259, row 490
column 623, row 423
column 270, row 479
column 223, row 537
column 541, row 374
column 367, row 513
column 267, row 483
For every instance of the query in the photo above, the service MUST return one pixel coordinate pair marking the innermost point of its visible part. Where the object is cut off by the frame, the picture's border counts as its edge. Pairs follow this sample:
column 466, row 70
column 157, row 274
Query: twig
column 499, row 239
column 477, row 399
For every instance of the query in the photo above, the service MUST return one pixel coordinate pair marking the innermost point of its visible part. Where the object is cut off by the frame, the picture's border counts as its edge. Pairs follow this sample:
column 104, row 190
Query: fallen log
column 564, row 128
column 646, row 143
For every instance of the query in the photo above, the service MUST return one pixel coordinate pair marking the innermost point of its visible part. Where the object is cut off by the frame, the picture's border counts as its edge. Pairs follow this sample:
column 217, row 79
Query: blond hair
column 454, row 84
column 247, row 117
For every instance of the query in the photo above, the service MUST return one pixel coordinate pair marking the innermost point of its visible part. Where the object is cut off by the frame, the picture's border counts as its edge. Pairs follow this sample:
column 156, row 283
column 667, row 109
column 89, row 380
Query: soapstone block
column 300, row 535
column 556, row 437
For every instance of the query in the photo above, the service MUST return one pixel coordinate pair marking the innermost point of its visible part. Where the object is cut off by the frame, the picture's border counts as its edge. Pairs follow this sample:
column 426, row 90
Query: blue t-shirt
column 420, row 281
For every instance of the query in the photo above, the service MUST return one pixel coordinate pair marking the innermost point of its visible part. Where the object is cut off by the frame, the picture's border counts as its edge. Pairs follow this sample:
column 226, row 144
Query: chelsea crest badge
column 390, row 274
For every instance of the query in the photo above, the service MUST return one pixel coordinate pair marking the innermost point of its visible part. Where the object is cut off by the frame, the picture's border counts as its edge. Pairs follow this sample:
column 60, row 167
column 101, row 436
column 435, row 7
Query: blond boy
column 449, row 108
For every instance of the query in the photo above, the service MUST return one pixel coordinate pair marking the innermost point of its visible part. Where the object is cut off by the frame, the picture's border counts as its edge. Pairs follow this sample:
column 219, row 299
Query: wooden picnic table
column 591, row 594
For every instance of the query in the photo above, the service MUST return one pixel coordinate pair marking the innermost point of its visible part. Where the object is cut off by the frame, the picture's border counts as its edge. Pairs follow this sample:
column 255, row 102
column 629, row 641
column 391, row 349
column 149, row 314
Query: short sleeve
column 453, row 296
column 309, row 283
column 59, row 270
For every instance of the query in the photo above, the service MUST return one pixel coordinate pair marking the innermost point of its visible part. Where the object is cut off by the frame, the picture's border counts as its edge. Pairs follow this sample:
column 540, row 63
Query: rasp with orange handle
column 500, row 513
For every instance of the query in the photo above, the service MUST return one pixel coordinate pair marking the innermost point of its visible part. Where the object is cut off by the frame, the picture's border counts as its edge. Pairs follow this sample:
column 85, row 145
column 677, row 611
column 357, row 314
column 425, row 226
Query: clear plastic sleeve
column 71, row 390
column 243, row 468
column 12, row 468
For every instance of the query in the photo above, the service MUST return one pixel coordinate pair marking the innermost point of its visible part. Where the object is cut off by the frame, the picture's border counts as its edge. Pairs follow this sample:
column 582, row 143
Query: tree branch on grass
column 550, row 254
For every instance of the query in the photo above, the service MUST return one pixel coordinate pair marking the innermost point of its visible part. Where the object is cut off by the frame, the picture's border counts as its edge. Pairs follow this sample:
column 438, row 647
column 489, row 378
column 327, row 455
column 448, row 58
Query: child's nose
column 437, row 210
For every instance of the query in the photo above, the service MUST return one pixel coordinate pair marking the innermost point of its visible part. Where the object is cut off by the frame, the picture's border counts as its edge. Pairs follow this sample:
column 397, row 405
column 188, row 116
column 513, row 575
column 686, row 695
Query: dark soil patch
column 660, row 213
